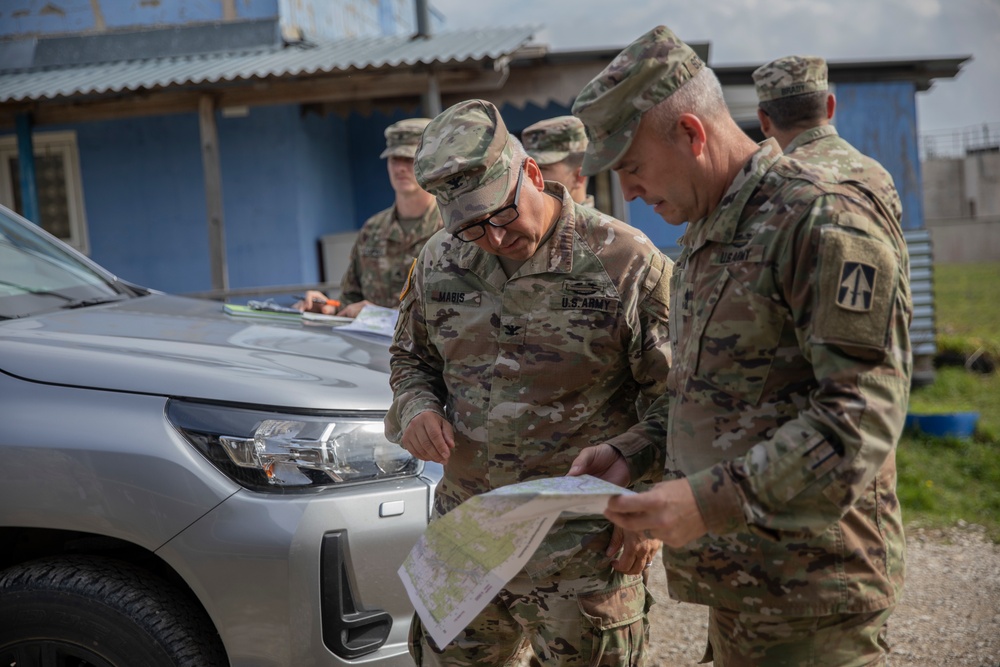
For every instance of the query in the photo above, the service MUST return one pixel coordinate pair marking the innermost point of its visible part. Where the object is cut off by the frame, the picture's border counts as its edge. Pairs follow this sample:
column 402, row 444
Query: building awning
column 352, row 69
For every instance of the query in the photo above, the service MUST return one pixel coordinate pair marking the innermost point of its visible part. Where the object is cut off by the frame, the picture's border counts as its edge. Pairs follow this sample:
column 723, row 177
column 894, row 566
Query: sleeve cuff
column 718, row 500
column 644, row 459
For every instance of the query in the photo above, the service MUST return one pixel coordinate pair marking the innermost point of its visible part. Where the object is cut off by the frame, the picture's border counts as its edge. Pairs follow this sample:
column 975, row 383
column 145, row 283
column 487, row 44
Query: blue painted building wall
column 47, row 17
column 327, row 19
column 286, row 182
column 880, row 120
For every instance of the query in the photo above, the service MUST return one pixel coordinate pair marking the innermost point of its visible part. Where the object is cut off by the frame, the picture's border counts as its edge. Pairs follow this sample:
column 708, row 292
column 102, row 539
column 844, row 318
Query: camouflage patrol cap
column 464, row 160
column 789, row 76
column 554, row 139
column 645, row 73
column 402, row 137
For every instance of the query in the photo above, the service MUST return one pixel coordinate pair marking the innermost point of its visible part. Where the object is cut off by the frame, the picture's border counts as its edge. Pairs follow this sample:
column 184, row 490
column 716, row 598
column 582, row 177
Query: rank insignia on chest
column 857, row 284
column 583, row 287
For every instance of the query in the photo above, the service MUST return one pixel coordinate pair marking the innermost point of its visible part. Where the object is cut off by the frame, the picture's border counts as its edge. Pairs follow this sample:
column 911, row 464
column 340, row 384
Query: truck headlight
column 268, row 451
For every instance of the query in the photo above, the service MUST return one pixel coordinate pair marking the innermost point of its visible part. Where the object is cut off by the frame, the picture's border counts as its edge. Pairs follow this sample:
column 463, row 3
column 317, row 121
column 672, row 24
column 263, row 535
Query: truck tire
column 98, row 612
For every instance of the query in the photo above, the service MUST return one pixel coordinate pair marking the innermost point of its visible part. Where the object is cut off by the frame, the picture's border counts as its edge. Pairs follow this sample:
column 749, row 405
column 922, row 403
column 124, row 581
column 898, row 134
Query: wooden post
column 213, row 192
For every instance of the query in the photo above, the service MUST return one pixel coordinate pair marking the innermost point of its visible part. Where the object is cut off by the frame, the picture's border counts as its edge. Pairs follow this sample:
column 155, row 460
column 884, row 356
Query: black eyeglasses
column 500, row 218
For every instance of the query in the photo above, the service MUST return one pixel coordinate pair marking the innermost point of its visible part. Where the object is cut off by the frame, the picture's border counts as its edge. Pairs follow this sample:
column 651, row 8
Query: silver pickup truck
column 182, row 487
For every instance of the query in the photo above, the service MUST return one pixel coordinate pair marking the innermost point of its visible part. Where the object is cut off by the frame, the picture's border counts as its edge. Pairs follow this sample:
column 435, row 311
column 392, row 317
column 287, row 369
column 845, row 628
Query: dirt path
column 949, row 614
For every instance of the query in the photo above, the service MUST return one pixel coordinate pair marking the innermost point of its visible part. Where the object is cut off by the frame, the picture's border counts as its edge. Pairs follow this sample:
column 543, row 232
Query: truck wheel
column 97, row 612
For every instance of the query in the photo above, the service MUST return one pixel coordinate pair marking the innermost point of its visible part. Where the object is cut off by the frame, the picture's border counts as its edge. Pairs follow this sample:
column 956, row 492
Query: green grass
column 944, row 480
column 965, row 300
column 966, row 308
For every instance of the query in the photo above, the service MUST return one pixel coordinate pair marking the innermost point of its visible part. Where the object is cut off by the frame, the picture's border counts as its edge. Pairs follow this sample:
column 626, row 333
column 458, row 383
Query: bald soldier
column 389, row 240
column 557, row 146
column 531, row 328
column 791, row 363
column 796, row 107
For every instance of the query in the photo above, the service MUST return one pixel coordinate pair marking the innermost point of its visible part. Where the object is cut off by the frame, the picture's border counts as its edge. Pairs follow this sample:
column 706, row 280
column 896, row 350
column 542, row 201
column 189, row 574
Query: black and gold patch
column 857, row 286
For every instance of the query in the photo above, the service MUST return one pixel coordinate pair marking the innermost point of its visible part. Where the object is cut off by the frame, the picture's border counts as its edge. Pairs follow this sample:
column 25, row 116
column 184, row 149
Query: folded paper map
column 465, row 557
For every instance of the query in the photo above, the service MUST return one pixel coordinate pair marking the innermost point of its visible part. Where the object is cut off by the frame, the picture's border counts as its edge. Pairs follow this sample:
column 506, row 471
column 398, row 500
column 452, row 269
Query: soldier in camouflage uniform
column 796, row 106
column 557, row 145
column 389, row 240
column 531, row 327
column 791, row 364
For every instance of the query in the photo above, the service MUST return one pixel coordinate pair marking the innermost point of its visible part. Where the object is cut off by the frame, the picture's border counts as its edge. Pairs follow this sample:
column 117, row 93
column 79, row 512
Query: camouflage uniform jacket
column 790, row 312
column 532, row 369
column 382, row 254
column 823, row 146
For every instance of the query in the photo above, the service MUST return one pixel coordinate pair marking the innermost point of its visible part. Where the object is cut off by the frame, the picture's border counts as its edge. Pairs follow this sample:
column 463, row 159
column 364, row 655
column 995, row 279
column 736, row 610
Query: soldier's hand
column 601, row 461
column 353, row 309
column 637, row 551
column 668, row 512
column 315, row 301
column 429, row 437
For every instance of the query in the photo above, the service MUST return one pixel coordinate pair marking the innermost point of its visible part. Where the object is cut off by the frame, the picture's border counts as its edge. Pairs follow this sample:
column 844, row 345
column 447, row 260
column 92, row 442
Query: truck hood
column 189, row 348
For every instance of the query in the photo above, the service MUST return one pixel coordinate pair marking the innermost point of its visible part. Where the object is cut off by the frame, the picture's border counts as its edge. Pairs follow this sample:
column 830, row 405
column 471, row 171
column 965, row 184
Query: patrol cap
column 789, row 76
column 402, row 137
column 464, row 159
column 645, row 73
column 554, row 139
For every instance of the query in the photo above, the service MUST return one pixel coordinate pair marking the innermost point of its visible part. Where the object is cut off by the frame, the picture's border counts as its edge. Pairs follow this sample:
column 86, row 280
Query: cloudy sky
column 745, row 32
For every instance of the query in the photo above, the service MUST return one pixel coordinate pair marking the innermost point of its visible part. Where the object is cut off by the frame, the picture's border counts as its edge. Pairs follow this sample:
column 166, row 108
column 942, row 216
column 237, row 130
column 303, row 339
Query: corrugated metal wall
column 918, row 242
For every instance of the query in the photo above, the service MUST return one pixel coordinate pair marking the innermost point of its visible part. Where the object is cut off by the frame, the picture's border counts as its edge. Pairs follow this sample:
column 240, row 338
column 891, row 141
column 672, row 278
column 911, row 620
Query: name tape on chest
column 456, row 297
column 737, row 254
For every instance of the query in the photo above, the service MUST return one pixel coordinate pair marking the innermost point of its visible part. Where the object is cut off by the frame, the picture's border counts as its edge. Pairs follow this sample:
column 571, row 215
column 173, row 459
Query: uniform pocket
column 619, row 624
column 738, row 340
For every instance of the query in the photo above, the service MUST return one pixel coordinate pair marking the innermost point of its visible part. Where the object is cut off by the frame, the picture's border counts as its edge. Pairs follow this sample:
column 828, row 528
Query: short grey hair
column 701, row 96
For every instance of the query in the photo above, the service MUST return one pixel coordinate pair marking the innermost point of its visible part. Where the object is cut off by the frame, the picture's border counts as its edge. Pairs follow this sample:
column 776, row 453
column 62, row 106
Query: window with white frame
column 57, row 183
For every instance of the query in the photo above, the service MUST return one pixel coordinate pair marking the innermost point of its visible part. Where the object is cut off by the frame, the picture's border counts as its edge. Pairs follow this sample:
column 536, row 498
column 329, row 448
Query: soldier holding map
column 531, row 327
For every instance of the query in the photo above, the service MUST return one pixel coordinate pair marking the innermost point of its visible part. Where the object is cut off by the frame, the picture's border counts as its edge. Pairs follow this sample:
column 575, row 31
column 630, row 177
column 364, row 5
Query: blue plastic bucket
column 956, row 424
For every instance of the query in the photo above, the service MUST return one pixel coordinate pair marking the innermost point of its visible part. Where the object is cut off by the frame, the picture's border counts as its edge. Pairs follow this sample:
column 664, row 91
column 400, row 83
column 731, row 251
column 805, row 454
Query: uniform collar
column 811, row 135
column 721, row 224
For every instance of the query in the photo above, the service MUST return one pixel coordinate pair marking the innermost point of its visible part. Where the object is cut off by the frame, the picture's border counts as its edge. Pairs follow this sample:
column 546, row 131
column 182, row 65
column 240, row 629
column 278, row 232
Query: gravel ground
column 949, row 614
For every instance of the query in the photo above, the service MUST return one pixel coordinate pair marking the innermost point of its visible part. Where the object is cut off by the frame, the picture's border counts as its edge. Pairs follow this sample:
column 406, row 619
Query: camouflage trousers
column 737, row 639
column 585, row 615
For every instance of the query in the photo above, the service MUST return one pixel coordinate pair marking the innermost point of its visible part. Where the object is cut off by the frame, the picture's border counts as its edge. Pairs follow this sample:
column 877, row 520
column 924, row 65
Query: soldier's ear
column 765, row 122
column 693, row 131
column 533, row 173
column 831, row 106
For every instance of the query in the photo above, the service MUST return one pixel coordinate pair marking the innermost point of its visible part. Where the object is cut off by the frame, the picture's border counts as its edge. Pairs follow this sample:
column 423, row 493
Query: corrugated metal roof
column 288, row 61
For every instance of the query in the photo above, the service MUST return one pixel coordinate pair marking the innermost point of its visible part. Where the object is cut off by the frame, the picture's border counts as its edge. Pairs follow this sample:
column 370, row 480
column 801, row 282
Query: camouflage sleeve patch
column 856, row 286
column 657, row 282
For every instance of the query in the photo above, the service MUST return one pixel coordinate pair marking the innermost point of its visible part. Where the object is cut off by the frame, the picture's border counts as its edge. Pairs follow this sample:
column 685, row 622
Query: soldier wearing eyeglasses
column 531, row 327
